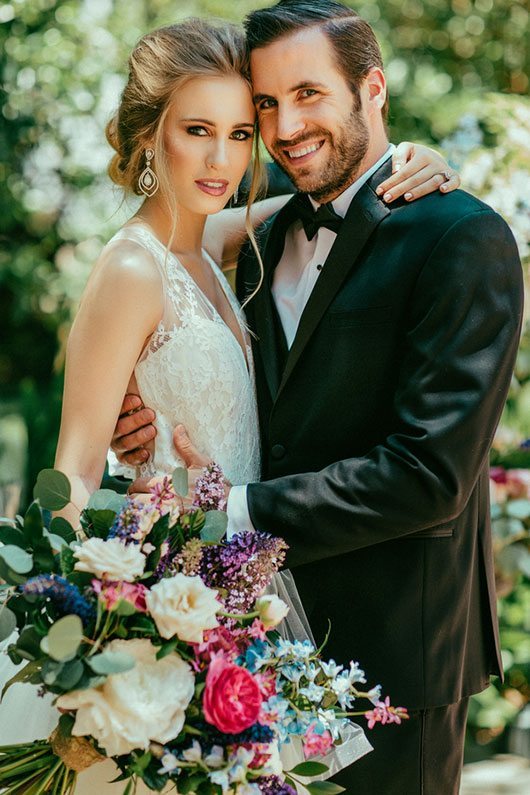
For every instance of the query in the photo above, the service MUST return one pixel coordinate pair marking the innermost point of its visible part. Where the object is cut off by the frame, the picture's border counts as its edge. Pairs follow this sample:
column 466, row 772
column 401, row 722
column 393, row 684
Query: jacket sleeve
column 461, row 342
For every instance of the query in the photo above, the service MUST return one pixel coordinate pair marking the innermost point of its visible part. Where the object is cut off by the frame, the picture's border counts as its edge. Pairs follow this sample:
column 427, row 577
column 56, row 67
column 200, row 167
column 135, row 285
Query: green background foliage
column 63, row 65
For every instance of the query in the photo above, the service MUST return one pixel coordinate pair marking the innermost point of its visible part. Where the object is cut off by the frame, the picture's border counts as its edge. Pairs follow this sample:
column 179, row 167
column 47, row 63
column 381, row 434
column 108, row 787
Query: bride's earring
column 148, row 181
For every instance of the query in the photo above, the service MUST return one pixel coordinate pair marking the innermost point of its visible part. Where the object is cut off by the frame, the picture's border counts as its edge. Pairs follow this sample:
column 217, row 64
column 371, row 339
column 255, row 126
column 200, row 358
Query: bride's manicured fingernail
column 387, row 197
column 408, row 196
column 379, row 190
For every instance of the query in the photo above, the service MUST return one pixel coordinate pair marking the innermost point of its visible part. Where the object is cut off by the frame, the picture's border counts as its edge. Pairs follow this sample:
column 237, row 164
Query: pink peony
column 316, row 744
column 110, row 593
column 232, row 697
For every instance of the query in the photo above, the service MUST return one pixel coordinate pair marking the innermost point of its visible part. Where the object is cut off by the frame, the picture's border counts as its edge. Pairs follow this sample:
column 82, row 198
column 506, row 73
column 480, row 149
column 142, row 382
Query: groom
column 385, row 342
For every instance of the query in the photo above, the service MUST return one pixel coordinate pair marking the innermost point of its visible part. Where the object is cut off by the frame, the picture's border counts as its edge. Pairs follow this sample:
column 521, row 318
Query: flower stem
column 238, row 616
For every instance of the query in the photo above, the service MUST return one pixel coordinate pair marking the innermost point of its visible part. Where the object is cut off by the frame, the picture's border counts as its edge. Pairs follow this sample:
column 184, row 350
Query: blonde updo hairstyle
column 162, row 62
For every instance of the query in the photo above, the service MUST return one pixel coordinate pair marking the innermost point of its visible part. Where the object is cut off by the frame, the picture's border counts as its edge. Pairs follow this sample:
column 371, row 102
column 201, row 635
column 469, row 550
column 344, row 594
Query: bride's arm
column 225, row 232
column 121, row 306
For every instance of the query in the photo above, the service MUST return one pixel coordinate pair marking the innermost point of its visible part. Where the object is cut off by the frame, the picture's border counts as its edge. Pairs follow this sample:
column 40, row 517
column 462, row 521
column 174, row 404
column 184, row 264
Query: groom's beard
column 347, row 148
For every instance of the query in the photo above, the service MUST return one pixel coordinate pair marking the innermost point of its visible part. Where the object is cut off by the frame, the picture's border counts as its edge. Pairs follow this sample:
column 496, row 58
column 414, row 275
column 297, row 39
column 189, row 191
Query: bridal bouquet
column 163, row 649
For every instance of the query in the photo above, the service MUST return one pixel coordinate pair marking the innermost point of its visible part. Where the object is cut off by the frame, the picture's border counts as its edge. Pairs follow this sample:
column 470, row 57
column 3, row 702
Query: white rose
column 111, row 560
column 183, row 606
column 131, row 709
column 271, row 609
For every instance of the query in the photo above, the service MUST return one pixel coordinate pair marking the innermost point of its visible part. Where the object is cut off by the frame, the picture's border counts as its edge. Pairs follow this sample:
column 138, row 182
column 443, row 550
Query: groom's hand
column 134, row 434
column 193, row 459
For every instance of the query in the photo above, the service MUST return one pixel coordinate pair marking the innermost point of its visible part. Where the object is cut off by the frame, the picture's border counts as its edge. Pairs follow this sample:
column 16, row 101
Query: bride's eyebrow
column 213, row 124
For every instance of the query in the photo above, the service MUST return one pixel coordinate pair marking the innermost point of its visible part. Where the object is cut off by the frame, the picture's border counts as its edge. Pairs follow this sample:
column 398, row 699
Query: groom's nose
column 290, row 122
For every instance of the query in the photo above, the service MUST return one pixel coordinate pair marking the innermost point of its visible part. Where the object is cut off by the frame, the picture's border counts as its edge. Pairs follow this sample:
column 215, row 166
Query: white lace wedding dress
column 194, row 371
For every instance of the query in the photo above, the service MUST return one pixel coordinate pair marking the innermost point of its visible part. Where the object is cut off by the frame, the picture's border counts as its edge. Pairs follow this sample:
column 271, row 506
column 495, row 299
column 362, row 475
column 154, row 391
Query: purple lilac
column 66, row 597
column 272, row 785
column 210, row 489
column 243, row 567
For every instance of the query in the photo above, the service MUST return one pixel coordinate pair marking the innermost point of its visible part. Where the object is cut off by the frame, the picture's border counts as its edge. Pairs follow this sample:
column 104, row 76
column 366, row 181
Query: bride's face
column 208, row 136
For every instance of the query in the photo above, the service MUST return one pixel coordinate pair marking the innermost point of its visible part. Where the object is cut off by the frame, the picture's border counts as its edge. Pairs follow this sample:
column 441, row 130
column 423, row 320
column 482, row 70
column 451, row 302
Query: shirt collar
column 342, row 202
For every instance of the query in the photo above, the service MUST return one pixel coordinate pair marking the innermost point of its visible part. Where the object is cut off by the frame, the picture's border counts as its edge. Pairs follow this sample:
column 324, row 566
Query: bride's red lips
column 213, row 187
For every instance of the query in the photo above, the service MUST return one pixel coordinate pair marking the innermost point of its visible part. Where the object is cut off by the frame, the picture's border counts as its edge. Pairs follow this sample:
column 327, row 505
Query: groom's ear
column 375, row 90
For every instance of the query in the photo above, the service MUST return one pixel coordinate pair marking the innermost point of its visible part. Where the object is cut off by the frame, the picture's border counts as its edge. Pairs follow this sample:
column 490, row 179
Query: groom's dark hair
column 352, row 39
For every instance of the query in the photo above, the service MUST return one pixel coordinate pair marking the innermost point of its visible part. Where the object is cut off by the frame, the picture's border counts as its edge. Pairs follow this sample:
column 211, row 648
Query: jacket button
column 278, row 451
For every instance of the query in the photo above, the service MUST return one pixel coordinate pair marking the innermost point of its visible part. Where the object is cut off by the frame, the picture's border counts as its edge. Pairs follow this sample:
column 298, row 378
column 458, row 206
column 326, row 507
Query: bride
column 158, row 317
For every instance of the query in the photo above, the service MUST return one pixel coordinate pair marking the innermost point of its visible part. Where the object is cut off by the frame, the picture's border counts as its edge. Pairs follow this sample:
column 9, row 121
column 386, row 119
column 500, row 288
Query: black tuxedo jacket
column 376, row 427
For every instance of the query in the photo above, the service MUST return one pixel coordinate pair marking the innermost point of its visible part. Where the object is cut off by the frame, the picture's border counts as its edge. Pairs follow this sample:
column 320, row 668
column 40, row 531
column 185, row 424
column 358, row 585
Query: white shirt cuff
column 237, row 511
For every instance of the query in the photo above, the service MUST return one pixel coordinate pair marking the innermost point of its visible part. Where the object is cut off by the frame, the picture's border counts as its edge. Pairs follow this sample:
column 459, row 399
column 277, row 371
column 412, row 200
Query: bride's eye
column 241, row 135
column 197, row 131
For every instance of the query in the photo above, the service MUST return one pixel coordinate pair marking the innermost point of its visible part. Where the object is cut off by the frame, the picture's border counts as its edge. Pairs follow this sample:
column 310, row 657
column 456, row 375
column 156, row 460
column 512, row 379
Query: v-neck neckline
column 241, row 343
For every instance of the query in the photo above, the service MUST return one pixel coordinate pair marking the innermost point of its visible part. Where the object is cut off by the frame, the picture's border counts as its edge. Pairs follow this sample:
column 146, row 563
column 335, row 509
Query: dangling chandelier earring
column 148, row 181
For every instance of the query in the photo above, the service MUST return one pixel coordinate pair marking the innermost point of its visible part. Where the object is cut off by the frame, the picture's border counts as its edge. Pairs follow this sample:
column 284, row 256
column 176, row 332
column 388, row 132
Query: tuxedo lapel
column 268, row 325
column 364, row 214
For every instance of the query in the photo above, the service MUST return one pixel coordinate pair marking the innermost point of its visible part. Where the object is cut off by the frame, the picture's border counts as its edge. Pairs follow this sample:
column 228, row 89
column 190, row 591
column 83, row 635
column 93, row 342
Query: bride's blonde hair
column 160, row 64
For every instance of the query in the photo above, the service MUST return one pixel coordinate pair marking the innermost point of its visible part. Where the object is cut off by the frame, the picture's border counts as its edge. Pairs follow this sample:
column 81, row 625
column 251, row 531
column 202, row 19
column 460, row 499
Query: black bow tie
column 312, row 219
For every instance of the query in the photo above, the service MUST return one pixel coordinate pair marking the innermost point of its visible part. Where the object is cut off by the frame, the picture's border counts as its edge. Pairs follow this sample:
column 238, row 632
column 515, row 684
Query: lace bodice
column 193, row 370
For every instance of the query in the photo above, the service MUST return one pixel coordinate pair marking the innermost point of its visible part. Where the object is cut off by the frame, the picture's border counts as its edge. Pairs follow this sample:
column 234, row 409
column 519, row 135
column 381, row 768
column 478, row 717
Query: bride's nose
column 217, row 156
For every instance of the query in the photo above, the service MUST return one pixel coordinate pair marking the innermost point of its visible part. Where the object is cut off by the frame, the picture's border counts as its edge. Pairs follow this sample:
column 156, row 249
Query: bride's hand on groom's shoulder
column 134, row 434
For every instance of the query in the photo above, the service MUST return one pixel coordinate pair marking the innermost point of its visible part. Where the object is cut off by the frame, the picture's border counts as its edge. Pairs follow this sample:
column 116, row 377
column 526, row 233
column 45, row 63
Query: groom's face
column 311, row 123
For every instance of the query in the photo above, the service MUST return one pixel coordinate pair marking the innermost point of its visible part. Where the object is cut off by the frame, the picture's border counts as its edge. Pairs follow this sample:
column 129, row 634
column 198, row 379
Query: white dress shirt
column 294, row 279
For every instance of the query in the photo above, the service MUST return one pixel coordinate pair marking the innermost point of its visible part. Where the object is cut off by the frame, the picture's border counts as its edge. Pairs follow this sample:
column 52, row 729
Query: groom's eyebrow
column 297, row 87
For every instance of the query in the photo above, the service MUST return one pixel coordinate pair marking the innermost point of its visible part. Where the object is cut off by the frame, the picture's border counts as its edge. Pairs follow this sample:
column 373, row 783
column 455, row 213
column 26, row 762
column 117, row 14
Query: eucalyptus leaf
column 56, row 542
column 111, row 662
column 17, row 559
column 52, row 489
column 33, row 525
column 64, row 638
column 214, row 528
column 28, row 643
column 106, row 500
column 8, row 622
column 50, row 671
column 61, row 527
column 10, row 576
column 11, row 535
column 180, row 481
column 97, row 523
column 324, row 788
column 70, row 674
column 309, row 769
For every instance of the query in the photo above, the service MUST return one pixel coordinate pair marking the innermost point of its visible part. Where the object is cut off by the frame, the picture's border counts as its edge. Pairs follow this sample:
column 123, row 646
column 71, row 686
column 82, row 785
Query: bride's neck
column 185, row 238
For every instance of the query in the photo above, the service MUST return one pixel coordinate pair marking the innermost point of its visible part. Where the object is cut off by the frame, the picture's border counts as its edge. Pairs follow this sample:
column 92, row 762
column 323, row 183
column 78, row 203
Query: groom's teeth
column 305, row 150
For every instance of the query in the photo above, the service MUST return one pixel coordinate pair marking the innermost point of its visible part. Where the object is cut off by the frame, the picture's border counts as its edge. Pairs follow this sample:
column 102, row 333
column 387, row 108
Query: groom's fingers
column 186, row 450
column 130, row 424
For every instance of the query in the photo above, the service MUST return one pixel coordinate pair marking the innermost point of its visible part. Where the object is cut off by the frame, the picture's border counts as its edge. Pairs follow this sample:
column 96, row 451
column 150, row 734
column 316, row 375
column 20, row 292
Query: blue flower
column 66, row 597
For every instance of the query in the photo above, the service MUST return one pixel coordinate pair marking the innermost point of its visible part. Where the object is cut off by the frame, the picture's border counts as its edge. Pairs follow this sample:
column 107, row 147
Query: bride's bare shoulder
column 125, row 273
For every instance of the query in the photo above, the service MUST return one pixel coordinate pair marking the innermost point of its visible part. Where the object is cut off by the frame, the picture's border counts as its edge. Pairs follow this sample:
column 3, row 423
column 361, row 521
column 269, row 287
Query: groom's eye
column 265, row 104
